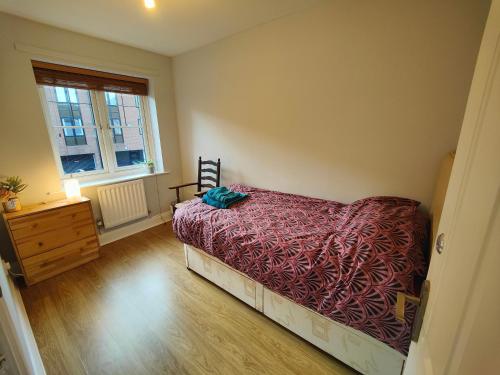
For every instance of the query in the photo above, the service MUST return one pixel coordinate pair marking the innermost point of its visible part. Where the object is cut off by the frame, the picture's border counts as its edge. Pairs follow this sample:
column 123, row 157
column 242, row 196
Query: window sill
column 114, row 180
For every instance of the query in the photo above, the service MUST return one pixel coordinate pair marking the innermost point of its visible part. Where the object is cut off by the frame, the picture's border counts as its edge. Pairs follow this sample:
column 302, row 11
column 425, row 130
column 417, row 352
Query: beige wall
column 25, row 148
column 345, row 100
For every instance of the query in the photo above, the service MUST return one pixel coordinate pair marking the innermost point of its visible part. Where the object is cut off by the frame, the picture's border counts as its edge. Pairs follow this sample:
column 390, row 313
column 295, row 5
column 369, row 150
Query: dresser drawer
column 36, row 224
column 52, row 239
column 43, row 266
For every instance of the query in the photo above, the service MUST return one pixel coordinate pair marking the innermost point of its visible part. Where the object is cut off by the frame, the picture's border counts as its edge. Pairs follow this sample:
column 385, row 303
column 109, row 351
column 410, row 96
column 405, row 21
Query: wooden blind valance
column 79, row 78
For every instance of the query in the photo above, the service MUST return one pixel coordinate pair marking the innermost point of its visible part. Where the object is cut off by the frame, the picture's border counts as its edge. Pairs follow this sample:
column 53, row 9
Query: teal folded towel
column 222, row 197
column 223, row 194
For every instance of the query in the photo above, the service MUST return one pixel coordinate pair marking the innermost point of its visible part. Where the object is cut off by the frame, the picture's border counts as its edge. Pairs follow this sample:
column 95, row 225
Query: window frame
column 105, row 136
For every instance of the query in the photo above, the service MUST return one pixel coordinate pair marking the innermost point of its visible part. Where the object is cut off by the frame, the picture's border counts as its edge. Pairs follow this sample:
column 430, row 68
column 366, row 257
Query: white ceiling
column 173, row 27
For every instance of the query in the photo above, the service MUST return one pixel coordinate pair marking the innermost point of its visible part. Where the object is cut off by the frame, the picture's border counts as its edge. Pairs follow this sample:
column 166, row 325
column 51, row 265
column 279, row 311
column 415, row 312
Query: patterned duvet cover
column 345, row 261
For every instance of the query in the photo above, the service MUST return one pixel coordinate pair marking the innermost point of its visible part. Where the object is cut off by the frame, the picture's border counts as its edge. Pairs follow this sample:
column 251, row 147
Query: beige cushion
column 180, row 204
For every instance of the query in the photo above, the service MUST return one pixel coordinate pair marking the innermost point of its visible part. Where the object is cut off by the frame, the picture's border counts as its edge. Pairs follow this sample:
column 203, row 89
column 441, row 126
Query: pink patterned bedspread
column 346, row 262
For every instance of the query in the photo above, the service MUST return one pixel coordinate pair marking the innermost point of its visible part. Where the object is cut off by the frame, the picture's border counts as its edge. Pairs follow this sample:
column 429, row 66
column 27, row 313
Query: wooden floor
column 138, row 310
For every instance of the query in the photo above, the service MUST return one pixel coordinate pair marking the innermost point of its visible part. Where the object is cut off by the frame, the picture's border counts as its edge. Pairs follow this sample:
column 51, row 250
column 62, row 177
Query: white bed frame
column 355, row 348
column 358, row 350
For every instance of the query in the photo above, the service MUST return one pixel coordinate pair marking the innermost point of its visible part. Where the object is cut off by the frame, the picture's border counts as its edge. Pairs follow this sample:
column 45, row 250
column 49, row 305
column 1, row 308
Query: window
column 78, row 163
column 70, row 116
column 125, row 119
column 73, row 130
column 98, row 121
column 96, row 132
column 114, row 117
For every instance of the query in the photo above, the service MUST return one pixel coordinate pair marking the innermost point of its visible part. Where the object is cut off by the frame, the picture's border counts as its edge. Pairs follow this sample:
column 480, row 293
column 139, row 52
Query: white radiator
column 123, row 202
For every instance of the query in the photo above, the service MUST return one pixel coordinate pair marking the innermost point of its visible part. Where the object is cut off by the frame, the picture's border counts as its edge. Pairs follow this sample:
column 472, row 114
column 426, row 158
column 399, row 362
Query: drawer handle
column 84, row 252
column 34, row 226
column 49, row 262
column 73, row 216
column 40, row 244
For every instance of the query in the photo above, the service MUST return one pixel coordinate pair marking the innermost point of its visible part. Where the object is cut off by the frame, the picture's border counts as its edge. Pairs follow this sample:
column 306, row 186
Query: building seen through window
column 79, row 135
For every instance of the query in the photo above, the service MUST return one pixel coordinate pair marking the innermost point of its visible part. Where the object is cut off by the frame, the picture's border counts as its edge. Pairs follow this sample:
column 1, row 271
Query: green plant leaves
column 14, row 184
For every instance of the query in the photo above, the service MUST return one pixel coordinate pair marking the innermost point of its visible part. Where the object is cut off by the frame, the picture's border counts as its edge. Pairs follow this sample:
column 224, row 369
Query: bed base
column 358, row 350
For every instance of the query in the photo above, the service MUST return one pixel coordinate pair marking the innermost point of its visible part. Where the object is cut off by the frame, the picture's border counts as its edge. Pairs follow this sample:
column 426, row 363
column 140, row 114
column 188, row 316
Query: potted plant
column 8, row 193
column 151, row 166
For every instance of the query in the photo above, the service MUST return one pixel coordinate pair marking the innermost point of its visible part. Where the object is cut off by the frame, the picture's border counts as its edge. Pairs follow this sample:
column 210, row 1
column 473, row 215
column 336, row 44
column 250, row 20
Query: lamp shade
column 72, row 189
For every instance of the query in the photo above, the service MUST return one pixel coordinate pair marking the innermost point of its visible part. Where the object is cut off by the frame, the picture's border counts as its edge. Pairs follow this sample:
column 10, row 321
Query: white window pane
column 124, row 109
column 69, row 113
column 132, row 116
column 83, row 96
column 132, row 150
column 72, row 96
column 60, row 94
column 67, row 122
column 111, row 98
column 72, row 123
column 78, row 149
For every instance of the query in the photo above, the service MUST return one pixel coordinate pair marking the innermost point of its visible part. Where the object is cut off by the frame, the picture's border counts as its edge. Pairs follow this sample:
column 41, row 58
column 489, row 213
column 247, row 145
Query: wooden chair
column 205, row 173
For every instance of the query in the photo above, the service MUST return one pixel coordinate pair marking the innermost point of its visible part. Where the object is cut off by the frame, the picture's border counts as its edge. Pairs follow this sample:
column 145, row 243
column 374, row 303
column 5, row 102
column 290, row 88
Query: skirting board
column 133, row 228
column 355, row 348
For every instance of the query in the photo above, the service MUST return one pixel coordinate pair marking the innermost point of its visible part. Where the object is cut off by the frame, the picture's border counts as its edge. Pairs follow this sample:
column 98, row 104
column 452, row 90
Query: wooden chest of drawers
column 52, row 238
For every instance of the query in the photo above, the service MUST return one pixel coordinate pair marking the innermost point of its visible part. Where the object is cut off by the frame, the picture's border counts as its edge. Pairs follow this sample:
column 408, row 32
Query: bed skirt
column 358, row 350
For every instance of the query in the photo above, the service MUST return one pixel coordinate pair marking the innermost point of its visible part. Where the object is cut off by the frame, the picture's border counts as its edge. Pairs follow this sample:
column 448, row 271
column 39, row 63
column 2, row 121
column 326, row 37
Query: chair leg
column 177, row 195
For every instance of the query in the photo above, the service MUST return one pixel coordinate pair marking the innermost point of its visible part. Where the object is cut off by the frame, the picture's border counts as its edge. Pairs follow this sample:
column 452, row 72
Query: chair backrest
column 208, row 170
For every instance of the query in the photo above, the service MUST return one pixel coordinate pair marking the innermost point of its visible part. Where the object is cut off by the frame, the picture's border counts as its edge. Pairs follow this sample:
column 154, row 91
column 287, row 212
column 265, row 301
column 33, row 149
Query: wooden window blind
column 79, row 78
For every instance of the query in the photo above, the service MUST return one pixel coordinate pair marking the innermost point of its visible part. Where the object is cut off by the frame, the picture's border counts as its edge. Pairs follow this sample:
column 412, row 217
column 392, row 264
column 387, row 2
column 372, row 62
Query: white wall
column 25, row 148
column 345, row 100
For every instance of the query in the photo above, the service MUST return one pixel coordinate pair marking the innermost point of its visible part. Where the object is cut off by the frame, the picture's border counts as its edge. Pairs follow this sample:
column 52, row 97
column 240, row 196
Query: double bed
column 330, row 272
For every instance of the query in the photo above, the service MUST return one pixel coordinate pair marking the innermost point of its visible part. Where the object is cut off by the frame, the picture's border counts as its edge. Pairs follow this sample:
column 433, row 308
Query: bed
column 330, row 272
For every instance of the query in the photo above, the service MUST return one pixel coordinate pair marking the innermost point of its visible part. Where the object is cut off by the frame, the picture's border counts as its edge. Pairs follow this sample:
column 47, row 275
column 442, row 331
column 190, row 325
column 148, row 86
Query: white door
column 471, row 227
column 8, row 364
column 17, row 343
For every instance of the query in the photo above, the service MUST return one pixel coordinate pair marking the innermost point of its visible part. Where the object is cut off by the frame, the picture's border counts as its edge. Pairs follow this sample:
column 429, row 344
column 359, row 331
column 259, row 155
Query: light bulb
column 149, row 4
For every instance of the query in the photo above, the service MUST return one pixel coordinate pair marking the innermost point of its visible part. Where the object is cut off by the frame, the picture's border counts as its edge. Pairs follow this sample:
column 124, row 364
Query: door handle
column 401, row 300
column 421, row 302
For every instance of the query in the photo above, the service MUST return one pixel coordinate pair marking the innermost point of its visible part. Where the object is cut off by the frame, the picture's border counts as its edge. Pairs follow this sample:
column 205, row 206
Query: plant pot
column 12, row 205
column 151, row 169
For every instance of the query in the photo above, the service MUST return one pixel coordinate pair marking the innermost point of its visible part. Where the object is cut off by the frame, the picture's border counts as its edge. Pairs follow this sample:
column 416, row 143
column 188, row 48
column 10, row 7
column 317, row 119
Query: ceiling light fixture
column 149, row 4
